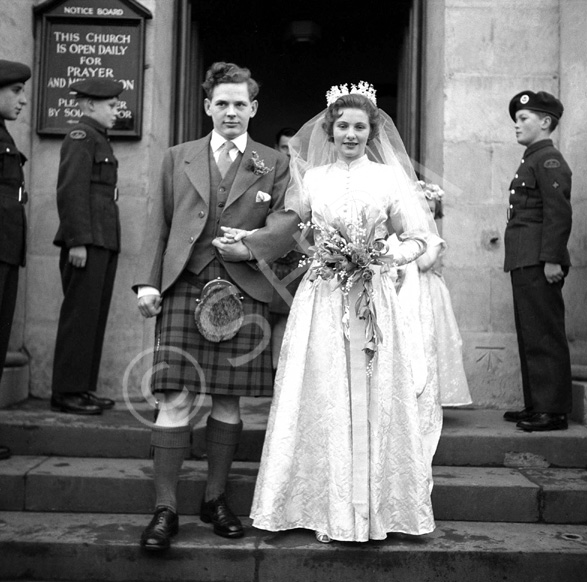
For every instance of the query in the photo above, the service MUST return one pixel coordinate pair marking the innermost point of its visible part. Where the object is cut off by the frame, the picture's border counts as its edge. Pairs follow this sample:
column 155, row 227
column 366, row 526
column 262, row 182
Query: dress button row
column 516, row 176
column 201, row 214
column 191, row 239
column 512, row 191
column 221, row 205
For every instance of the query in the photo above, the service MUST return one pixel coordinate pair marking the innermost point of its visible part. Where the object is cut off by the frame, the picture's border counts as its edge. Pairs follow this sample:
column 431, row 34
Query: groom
column 223, row 180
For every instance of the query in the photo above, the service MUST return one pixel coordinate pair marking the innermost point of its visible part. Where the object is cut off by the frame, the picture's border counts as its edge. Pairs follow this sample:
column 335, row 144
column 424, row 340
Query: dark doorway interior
column 296, row 50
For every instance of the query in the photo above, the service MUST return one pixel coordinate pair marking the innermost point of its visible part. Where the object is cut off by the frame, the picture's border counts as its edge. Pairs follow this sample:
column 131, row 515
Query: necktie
column 224, row 160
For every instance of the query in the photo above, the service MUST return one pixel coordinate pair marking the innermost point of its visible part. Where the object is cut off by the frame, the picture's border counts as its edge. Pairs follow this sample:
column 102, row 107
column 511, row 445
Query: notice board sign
column 86, row 39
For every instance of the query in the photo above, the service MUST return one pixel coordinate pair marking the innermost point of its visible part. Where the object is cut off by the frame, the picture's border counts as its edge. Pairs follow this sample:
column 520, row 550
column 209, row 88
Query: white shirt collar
column 217, row 141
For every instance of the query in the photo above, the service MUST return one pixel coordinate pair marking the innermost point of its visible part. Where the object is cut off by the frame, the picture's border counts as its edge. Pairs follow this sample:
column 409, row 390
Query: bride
column 343, row 452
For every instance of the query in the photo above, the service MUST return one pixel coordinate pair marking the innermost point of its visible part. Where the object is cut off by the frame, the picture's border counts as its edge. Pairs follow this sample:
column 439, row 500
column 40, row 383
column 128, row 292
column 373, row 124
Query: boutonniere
column 257, row 165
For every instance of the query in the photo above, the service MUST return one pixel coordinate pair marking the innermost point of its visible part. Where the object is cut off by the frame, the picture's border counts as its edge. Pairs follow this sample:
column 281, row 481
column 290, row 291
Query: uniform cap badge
column 524, row 99
column 78, row 134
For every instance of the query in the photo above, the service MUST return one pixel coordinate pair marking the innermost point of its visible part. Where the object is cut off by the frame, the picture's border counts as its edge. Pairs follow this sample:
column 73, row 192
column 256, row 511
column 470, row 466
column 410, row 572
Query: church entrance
column 297, row 50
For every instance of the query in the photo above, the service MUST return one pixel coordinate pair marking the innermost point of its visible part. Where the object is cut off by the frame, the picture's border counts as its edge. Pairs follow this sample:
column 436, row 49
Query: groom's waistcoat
column 203, row 251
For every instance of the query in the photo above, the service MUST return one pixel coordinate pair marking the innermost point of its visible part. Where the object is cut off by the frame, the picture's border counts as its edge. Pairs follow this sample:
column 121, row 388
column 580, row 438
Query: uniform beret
column 97, row 88
column 12, row 72
column 541, row 101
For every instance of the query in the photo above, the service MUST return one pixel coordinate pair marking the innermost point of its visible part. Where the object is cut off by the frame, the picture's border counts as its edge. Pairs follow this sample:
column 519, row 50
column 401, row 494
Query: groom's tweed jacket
column 181, row 209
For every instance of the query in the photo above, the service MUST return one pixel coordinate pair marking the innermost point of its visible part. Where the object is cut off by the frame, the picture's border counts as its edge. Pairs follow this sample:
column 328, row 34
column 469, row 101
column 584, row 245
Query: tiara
column 363, row 88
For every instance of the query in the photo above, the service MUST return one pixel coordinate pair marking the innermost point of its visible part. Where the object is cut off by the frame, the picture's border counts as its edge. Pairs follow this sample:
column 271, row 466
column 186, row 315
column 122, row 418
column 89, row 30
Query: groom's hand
column 232, row 251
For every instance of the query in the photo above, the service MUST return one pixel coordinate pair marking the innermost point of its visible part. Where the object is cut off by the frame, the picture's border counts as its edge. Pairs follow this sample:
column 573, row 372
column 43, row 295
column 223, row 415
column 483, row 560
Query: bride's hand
column 234, row 235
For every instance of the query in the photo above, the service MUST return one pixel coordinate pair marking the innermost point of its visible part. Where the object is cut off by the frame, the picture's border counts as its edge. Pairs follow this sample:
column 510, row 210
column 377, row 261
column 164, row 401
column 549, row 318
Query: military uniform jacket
column 539, row 214
column 12, row 200
column 181, row 207
column 86, row 189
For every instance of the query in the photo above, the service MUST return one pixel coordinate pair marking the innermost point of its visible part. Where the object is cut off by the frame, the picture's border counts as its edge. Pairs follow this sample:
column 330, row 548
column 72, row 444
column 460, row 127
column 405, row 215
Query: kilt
column 183, row 357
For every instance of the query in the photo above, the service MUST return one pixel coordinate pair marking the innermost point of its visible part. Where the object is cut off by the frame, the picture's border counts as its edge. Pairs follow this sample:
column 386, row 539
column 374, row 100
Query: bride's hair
column 222, row 72
column 352, row 101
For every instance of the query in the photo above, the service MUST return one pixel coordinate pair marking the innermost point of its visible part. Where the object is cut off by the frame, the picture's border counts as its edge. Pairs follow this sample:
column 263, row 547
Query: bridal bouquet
column 345, row 251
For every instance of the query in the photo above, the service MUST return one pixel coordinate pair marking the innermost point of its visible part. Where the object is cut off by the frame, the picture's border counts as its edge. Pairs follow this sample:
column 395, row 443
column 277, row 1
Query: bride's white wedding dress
column 312, row 474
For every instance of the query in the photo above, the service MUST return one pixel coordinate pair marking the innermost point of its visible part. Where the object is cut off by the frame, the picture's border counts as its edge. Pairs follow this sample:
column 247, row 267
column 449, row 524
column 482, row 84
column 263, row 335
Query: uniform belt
column 523, row 212
column 106, row 191
column 11, row 192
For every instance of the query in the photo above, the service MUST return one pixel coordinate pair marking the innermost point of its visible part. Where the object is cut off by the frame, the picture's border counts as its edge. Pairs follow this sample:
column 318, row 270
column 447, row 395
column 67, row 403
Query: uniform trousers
column 82, row 320
column 545, row 361
column 8, row 291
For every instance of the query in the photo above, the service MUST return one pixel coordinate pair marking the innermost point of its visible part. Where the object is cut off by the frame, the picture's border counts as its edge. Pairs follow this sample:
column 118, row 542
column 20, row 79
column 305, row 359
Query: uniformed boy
column 89, row 237
column 536, row 256
column 13, row 76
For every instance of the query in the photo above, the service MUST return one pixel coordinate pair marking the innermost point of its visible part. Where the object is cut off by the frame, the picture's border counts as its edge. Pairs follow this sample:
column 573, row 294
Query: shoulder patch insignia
column 78, row 134
column 552, row 163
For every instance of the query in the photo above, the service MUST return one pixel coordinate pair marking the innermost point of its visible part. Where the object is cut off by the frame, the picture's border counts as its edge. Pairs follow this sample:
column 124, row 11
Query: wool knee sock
column 170, row 445
column 222, row 441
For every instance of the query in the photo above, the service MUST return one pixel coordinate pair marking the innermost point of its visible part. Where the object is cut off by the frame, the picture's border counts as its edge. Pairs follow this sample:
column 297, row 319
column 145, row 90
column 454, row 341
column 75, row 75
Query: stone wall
column 493, row 49
column 573, row 143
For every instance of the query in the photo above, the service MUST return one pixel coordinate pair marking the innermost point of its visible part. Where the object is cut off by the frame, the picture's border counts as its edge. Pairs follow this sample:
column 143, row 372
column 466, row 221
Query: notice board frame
column 132, row 22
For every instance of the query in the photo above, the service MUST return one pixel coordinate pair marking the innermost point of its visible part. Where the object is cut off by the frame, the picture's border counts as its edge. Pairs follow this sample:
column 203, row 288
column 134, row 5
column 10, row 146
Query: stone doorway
column 296, row 51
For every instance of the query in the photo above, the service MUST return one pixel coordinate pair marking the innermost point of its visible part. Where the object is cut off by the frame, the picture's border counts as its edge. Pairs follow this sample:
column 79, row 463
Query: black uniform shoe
column 103, row 403
column 74, row 403
column 4, row 452
column 163, row 526
column 517, row 415
column 541, row 421
column 217, row 512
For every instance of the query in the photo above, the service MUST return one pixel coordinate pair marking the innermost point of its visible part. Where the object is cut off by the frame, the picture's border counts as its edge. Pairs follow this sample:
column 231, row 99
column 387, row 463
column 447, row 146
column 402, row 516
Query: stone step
column 100, row 547
column 469, row 437
column 496, row 494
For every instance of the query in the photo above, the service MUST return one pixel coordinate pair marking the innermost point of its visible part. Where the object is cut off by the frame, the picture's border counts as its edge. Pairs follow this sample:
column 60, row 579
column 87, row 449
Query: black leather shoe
column 157, row 535
column 541, row 421
column 517, row 415
column 217, row 512
column 103, row 403
column 75, row 403
column 4, row 452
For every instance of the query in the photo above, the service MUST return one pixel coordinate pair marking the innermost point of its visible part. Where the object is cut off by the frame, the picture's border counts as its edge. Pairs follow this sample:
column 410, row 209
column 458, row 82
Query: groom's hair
column 221, row 72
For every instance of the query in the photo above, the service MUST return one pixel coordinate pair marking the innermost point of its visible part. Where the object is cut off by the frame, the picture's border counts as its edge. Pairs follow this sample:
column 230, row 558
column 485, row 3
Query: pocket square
column 262, row 196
